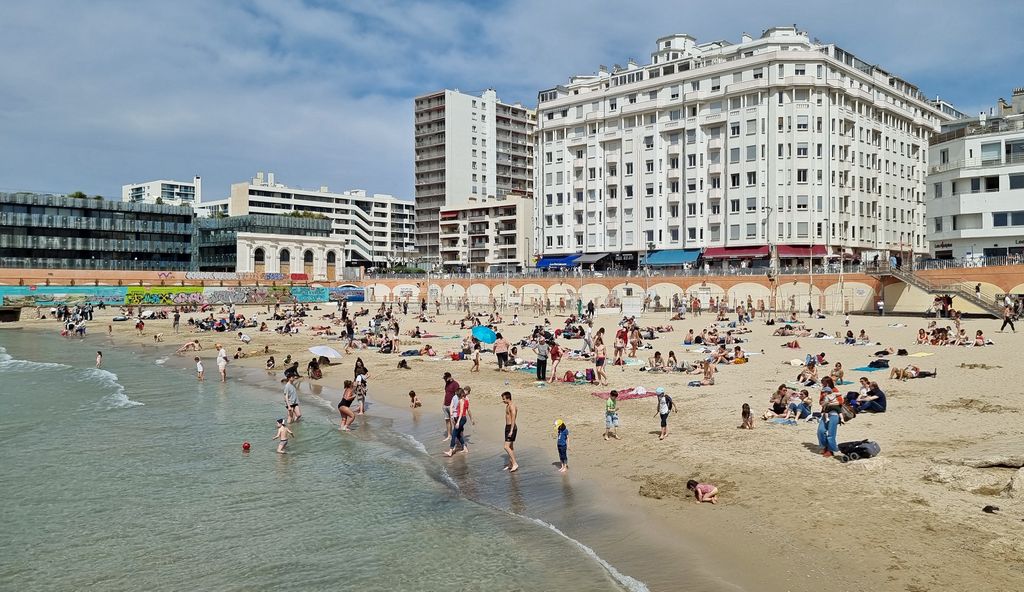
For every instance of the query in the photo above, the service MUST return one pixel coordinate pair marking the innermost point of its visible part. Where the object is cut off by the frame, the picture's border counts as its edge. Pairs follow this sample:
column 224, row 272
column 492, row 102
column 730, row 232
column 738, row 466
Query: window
column 734, row 206
column 801, row 175
column 734, row 129
column 649, row 142
column 751, row 179
column 751, row 153
column 938, row 221
column 944, row 156
column 734, row 155
column 691, row 160
column 613, row 104
column 800, row 70
column 649, row 165
column 734, row 232
column 649, row 212
column 674, row 115
column 801, row 203
column 758, row 73
column 649, row 190
column 801, row 229
column 691, row 185
column 734, row 180
column 801, row 149
column 937, row 190
column 629, row 168
column 716, row 84
column 1016, row 181
column 751, row 127
column 751, row 204
column 691, row 233
column 751, row 230
column 998, row 219
column 629, row 191
column 801, row 123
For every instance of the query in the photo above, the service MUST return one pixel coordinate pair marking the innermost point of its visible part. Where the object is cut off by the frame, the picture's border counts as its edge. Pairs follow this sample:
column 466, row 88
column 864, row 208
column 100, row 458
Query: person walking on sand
column 1007, row 319
column 282, row 434
column 222, row 362
column 501, row 352
column 450, row 388
column 600, row 352
column 291, row 400
column 611, row 415
column 200, row 373
column 511, row 429
column 345, row 406
column 459, row 418
column 665, row 404
column 99, row 359
column 562, row 443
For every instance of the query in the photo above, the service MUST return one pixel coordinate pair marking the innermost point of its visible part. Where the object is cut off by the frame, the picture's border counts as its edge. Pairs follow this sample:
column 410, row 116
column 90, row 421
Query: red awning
column 449, row 215
column 801, row 251
column 736, row 252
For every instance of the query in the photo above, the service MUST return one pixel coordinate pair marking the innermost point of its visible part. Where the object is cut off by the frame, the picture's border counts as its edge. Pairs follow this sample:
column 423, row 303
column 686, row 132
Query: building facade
column 164, row 192
column 773, row 149
column 56, row 232
column 467, row 147
column 269, row 244
column 976, row 185
column 375, row 229
column 489, row 235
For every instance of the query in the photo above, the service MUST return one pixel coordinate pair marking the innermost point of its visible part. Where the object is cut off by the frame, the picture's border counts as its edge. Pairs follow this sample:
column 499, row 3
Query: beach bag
column 901, row 352
column 569, row 376
column 590, row 375
column 740, row 361
column 671, row 403
column 878, row 364
column 847, row 412
column 455, row 356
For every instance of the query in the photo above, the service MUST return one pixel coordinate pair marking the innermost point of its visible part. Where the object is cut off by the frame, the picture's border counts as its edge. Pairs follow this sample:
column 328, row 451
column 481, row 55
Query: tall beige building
column 467, row 147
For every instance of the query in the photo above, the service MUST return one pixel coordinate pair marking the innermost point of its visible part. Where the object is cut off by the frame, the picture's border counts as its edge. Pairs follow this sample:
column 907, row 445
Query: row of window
column 978, row 185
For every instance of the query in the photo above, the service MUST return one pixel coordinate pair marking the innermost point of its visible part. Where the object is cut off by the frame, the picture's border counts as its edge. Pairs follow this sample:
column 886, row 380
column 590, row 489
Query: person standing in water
column 510, row 431
column 451, row 386
column 200, row 373
column 562, row 437
column 99, row 359
column 282, row 434
column 345, row 407
column 291, row 400
column 222, row 362
column 459, row 418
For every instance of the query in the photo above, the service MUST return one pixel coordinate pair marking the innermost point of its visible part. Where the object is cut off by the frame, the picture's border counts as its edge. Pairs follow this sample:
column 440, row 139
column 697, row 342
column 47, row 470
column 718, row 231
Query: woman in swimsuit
column 837, row 372
column 601, row 352
column 922, row 337
column 345, row 406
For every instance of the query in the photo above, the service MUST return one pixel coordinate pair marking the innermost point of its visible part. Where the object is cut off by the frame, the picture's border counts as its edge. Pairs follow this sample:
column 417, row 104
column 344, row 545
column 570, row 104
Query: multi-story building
column 268, row 244
column 489, row 235
column 777, row 148
column 57, row 232
column 376, row 229
column 976, row 184
column 467, row 147
column 170, row 193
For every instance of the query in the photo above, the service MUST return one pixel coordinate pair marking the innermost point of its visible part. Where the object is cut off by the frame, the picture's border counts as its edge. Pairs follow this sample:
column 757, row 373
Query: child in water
column 200, row 375
column 704, row 492
column 282, row 434
column 562, row 434
column 414, row 400
column 748, row 418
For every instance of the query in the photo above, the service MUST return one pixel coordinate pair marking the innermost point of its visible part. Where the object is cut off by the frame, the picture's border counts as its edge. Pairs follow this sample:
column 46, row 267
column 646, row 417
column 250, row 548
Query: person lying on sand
column 190, row 346
column 911, row 372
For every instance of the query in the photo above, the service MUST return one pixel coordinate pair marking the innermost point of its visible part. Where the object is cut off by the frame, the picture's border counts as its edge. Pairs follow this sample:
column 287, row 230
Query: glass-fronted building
column 217, row 241
column 44, row 231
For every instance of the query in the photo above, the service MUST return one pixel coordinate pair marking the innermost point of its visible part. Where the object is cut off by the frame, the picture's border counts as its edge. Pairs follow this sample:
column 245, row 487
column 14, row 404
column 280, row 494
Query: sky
column 95, row 94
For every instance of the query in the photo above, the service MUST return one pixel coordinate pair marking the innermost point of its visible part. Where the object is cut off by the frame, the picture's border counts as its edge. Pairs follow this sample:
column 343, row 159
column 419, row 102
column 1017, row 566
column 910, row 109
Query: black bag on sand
column 859, row 450
column 878, row 364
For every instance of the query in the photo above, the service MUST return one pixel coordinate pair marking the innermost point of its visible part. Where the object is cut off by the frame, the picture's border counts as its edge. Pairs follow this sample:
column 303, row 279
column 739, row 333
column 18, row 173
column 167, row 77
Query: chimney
column 198, row 182
column 1018, row 100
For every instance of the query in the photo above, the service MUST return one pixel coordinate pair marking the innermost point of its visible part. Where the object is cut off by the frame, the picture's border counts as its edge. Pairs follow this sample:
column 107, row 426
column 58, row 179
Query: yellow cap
column 559, row 423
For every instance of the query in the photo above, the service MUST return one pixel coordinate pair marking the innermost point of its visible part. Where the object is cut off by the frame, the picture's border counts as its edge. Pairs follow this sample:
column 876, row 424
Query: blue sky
column 99, row 93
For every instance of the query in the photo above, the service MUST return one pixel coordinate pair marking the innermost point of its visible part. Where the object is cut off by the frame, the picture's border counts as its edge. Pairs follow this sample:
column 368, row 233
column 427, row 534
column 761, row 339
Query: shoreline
column 779, row 500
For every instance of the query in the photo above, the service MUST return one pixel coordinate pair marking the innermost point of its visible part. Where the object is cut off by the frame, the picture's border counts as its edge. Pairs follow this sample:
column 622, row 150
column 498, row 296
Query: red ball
column 245, row 446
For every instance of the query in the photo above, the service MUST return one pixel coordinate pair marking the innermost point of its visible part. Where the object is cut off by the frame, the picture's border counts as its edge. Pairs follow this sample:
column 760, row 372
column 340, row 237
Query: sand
column 788, row 519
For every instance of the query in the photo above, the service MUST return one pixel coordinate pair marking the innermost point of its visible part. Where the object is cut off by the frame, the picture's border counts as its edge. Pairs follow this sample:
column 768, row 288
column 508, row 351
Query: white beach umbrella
column 325, row 350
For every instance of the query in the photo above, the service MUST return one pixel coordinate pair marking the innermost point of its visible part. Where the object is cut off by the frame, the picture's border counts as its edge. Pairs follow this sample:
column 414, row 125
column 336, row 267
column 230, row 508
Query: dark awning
column 736, row 252
column 672, row 257
column 801, row 251
column 589, row 258
column 557, row 261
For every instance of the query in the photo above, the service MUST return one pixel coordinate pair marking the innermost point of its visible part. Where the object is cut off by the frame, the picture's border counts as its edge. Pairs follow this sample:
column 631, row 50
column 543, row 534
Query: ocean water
column 132, row 477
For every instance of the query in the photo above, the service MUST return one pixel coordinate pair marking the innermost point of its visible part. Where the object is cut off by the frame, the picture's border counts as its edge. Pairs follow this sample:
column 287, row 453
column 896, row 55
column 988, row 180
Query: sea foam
column 9, row 364
column 117, row 399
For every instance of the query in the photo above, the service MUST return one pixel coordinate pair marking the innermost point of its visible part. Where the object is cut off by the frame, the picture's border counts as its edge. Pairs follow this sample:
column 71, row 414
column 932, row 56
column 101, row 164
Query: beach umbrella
column 484, row 334
column 325, row 350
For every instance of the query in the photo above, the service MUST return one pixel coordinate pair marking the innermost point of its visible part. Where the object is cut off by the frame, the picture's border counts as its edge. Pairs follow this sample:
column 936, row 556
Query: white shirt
column 245, row 338
column 222, row 357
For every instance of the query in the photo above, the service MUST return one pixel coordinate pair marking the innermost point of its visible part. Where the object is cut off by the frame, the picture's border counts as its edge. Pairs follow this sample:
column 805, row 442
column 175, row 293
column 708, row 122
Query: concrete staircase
column 986, row 302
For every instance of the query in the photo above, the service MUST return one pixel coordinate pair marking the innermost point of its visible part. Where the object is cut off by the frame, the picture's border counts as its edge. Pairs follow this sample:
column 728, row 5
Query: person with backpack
column 665, row 405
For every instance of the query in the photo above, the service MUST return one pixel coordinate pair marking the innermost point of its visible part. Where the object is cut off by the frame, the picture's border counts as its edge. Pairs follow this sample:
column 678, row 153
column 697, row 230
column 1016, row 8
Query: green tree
column 159, row 201
column 97, row 197
column 78, row 195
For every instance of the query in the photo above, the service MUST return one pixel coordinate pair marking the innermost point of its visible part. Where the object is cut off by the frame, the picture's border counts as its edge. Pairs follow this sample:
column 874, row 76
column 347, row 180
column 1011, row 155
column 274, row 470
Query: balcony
column 715, row 193
column 611, row 157
column 674, row 149
column 715, row 143
column 674, row 173
column 674, row 196
column 611, row 180
column 579, row 184
column 714, row 168
column 712, row 118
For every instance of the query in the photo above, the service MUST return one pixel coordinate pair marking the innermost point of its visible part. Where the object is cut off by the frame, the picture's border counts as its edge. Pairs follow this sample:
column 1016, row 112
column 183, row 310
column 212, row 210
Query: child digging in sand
column 704, row 492
column 414, row 400
column 748, row 418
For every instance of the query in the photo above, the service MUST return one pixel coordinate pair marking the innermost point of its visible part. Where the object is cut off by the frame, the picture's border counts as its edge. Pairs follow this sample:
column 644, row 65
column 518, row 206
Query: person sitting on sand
column 747, row 417
column 922, row 337
column 271, row 363
column 911, row 371
column 979, row 339
column 738, row 356
column 414, row 400
column 809, row 375
column 703, row 492
column 837, row 372
column 688, row 339
column 777, row 402
column 707, row 371
column 656, row 364
column 872, row 400
column 863, row 336
column 720, row 356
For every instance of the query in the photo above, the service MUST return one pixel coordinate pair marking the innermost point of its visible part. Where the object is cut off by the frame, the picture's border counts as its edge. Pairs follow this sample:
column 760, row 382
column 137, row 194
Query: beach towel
column 781, row 421
column 635, row 362
column 841, row 382
column 428, row 335
column 867, row 369
column 921, row 354
column 626, row 394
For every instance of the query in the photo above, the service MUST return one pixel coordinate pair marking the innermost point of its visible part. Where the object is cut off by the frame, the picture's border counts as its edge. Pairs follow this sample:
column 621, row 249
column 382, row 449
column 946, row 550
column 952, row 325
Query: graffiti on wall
column 164, row 295
column 246, row 295
column 242, row 276
column 53, row 295
column 348, row 292
column 307, row 294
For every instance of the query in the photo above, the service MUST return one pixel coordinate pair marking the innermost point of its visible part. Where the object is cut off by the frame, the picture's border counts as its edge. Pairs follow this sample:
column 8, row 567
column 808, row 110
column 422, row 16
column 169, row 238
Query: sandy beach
column 788, row 519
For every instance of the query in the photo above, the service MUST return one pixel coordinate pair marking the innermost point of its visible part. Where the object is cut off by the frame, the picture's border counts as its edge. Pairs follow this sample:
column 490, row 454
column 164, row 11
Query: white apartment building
column 777, row 147
column 377, row 229
column 467, row 147
column 488, row 235
column 172, row 193
column 976, row 185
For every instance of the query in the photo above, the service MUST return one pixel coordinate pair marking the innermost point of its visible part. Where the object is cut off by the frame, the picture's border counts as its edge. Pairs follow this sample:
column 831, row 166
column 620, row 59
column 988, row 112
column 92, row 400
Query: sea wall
column 158, row 295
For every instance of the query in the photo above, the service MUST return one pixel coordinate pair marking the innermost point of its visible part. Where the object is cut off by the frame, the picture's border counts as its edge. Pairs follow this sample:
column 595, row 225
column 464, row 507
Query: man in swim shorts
column 511, row 429
column 291, row 399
